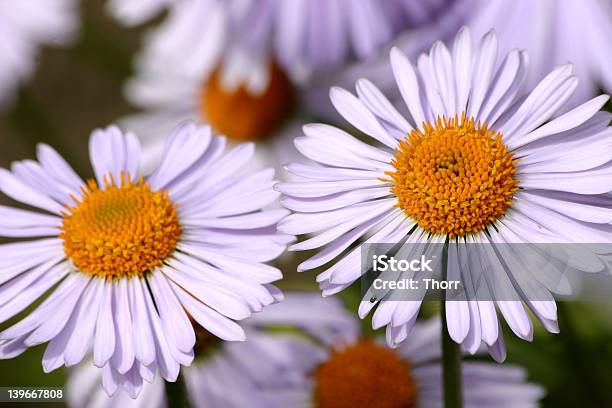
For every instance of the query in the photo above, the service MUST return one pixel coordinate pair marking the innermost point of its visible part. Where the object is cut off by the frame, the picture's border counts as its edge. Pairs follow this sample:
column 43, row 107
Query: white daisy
column 126, row 258
column 476, row 161
column 271, row 369
column 554, row 32
column 25, row 26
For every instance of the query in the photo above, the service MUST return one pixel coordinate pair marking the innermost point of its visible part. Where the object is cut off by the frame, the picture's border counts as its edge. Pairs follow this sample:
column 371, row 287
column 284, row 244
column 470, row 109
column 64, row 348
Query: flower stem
column 451, row 353
column 176, row 393
column 580, row 358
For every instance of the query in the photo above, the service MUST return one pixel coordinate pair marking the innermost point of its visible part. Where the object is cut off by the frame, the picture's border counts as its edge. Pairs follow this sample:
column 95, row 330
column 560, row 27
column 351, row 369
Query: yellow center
column 364, row 375
column 242, row 116
column 122, row 230
column 455, row 177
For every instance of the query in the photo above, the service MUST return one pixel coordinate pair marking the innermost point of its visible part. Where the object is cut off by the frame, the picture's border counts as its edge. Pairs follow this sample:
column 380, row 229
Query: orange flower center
column 364, row 375
column 454, row 178
column 242, row 116
column 120, row 231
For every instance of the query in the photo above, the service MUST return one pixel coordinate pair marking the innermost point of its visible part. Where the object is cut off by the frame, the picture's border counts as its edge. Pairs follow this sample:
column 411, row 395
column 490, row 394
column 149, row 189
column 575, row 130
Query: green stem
column 580, row 358
column 451, row 353
column 176, row 393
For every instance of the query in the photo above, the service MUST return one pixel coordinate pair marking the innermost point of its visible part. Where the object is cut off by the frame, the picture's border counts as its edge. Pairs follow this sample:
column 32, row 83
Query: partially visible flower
column 366, row 373
column 25, row 26
column 246, row 96
column 242, row 72
column 127, row 259
column 478, row 161
column 271, row 369
column 334, row 366
column 554, row 32
column 311, row 34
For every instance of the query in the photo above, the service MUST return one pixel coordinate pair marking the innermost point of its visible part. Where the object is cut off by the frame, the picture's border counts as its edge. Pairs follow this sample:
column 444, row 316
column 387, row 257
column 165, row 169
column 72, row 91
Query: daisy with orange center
column 454, row 178
column 257, row 113
column 130, row 262
column 366, row 373
column 245, row 96
column 122, row 230
column 477, row 166
column 257, row 68
column 345, row 379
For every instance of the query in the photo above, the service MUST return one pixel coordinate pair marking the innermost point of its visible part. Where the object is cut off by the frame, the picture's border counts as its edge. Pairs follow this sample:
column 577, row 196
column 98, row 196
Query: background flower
column 24, row 27
column 272, row 369
column 251, row 74
column 365, row 373
column 554, row 33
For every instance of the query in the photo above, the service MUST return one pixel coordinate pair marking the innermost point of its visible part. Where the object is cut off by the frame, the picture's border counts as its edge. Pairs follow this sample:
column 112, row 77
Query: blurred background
column 78, row 88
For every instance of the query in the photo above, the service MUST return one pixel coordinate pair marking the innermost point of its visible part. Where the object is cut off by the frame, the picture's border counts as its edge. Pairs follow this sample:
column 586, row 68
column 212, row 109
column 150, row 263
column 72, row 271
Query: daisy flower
column 271, row 369
column 554, row 32
column 126, row 260
column 247, row 76
column 244, row 96
column 477, row 161
column 366, row 373
column 24, row 27
column 352, row 372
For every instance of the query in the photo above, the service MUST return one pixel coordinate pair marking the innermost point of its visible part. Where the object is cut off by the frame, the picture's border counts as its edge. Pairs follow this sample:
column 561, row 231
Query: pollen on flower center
column 455, row 177
column 364, row 375
column 241, row 115
column 122, row 230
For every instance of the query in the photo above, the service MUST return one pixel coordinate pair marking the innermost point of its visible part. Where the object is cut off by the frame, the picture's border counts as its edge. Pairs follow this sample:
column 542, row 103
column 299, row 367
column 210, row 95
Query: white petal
column 355, row 112
column 567, row 121
column 104, row 340
column 482, row 72
column 62, row 308
column 183, row 148
column 168, row 366
column 378, row 103
column 408, row 85
column 144, row 344
column 173, row 318
column 334, row 201
column 209, row 319
column 85, row 313
column 462, row 60
column 443, row 76
column 55, row 165
column 123, row 356
column 248, row 221
column 107, row 153
column 220, row 299
column 19, row 191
